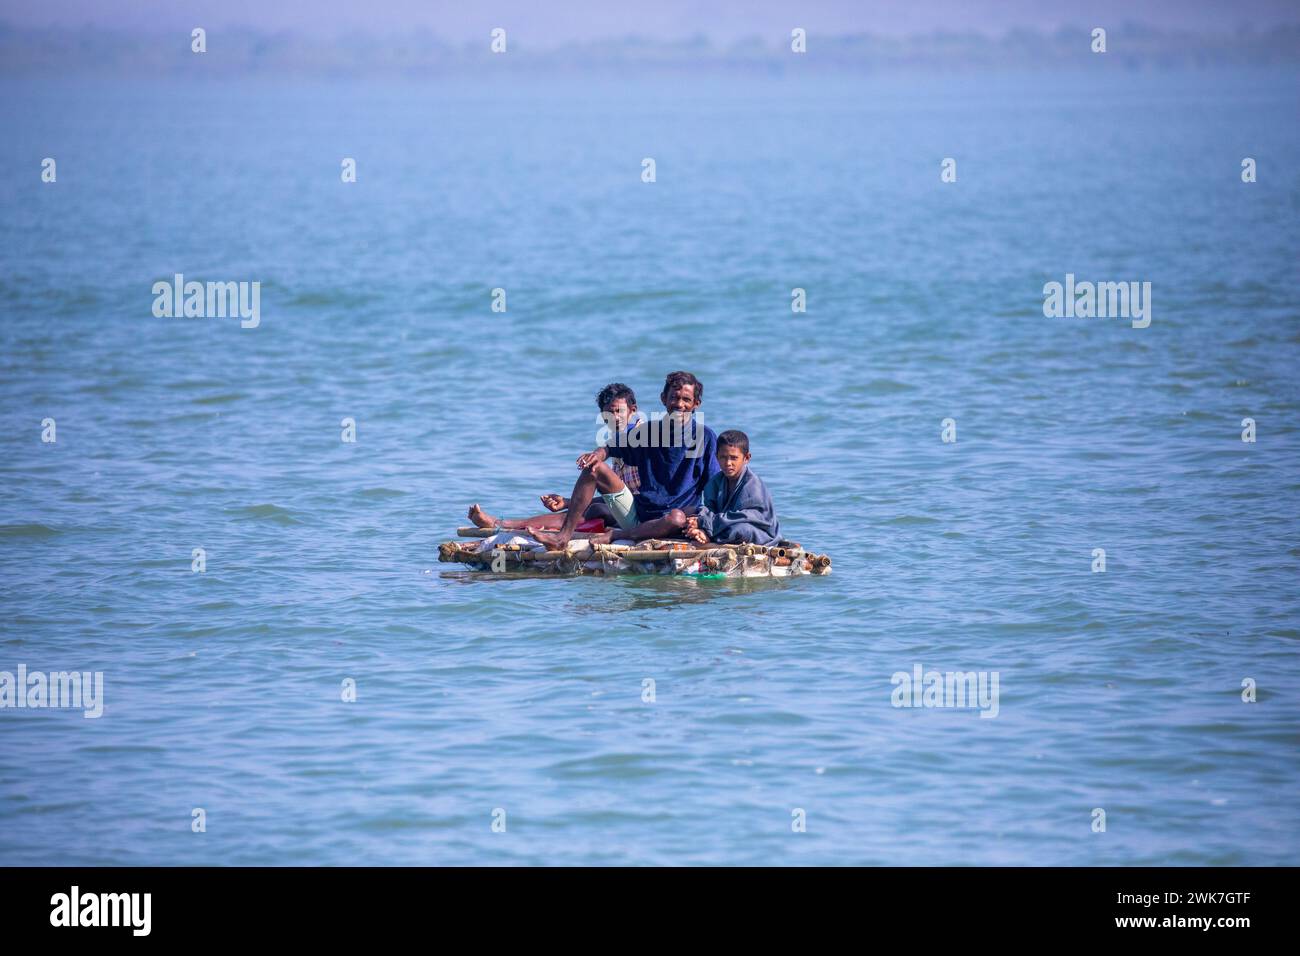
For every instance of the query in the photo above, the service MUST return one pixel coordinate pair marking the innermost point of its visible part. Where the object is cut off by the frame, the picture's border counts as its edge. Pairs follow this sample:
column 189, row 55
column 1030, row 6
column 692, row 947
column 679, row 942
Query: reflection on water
column 635, row 592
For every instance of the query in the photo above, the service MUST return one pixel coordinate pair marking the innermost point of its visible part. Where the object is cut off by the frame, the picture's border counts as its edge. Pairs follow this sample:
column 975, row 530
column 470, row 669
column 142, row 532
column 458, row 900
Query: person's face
column 680, row 401
column 731, row 460
column 617, row 414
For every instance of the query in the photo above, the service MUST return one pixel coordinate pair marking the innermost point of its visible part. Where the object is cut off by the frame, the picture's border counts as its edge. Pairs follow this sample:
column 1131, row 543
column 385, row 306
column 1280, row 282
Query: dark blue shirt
column 674, row 468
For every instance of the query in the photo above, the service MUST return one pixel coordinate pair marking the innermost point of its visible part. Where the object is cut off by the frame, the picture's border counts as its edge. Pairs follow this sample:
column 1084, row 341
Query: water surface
column 1119, row 691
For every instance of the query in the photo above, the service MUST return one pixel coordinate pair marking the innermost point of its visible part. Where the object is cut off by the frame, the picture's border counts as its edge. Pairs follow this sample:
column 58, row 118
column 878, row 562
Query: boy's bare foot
column 481, row 518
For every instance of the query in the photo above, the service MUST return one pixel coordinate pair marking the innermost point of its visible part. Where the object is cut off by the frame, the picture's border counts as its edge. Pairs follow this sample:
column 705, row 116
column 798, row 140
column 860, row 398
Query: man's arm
column 591, row 457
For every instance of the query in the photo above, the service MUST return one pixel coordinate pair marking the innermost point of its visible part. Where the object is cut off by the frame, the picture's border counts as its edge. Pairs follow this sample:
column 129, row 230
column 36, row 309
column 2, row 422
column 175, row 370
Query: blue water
column 1120, row 691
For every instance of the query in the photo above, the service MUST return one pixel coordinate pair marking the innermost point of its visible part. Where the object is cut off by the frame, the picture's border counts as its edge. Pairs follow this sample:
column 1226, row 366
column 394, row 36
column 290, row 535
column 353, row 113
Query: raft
column 508, row 552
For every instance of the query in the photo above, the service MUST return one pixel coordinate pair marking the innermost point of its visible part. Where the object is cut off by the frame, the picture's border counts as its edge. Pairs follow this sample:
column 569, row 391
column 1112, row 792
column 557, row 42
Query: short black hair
column 736, row 439
column 676, row 380
column 612, row 393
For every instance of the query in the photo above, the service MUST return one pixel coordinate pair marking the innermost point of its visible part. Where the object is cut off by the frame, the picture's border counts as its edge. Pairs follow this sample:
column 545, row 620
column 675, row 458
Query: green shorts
column 623, row 505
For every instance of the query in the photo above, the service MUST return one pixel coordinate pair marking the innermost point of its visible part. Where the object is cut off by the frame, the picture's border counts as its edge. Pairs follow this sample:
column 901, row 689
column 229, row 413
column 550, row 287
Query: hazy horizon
column 586, row 20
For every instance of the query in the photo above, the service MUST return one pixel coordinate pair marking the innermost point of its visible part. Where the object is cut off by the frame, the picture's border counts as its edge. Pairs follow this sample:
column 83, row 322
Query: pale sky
column 545, row 23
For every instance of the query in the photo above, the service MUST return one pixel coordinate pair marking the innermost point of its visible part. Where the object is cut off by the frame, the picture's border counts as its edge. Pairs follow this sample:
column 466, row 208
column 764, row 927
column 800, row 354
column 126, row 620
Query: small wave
column 114, row 386
column 194, row 385
column 330, row 297
column 28, row 531
column 608, row 766
column 272, row 513
column 879, row 386
column 381, row 493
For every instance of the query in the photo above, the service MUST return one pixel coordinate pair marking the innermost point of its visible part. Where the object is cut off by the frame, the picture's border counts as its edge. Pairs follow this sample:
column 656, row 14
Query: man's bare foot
column 555, row 540
column 481, row 518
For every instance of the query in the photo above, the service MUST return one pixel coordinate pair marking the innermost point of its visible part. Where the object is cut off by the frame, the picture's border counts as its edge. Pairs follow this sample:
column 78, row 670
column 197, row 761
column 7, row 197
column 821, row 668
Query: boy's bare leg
column 484, row 520
column 598, row 476
column 669, row 526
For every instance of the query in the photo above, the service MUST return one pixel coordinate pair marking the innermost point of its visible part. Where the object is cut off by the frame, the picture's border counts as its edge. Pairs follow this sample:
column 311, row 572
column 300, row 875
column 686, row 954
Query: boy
column 737, row 507
column 617, row 404
column 674, row 458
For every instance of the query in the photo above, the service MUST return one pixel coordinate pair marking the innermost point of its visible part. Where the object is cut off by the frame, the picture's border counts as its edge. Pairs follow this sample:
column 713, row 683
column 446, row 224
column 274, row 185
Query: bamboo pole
column 674, row 555
column 626, row 554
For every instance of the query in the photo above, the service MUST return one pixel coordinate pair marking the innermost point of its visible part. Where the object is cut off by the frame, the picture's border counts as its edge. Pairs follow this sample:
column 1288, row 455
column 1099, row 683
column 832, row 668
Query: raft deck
column 513, row 551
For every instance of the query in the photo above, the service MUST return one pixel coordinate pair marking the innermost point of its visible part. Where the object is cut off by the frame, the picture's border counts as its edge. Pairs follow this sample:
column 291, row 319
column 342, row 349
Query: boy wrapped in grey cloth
column 736, row 505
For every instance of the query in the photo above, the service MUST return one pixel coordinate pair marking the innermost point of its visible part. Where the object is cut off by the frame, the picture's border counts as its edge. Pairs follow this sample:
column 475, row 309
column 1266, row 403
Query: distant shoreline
column 45, row 51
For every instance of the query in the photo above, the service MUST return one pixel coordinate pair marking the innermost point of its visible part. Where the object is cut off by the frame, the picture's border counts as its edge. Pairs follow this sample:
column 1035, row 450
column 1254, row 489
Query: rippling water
column 1119, row 690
